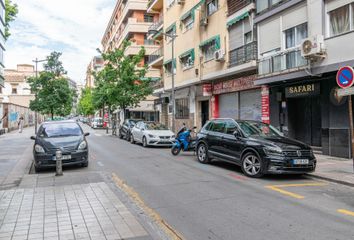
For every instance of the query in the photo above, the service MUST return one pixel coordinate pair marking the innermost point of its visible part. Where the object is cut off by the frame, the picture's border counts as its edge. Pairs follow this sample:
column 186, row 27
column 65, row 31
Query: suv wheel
column 252, row 165
column 144, row 142
column 132, row 141
column 202, row 153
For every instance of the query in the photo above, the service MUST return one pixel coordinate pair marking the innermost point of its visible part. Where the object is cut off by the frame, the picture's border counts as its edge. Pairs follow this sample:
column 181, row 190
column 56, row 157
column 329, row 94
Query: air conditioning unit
column 219, row 55
column 181, row 2
column 313, row 47
column 204, row 22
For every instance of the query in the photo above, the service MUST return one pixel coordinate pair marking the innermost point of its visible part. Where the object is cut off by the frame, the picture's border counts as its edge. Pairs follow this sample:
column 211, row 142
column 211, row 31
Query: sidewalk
column 334, row 169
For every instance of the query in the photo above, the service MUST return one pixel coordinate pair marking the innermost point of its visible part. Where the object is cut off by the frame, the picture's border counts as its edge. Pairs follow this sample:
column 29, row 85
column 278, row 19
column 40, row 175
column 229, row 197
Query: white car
column 97, row 123
column 152, row 134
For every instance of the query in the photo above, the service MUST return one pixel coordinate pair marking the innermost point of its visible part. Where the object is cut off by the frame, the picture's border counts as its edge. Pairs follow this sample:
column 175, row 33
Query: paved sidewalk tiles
column 79, row 211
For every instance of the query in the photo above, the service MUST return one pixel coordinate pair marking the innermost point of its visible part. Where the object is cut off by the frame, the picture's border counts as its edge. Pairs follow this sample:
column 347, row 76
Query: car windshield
column 156, row 126
column 258, row 129
column 60, row 130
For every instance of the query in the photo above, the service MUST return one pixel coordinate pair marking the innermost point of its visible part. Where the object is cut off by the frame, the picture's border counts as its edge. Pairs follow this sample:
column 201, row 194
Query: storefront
column 310, row 111
column 145, row 111
column 237, row 98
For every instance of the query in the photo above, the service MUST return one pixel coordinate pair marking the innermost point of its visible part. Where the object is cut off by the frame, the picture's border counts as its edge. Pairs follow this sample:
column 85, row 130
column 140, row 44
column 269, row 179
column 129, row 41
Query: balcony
column 157, row 26
column 234, row 6
column 134, row 48
column 287, row 61
column 156, row 58
column 243, row 54
column 155, row 6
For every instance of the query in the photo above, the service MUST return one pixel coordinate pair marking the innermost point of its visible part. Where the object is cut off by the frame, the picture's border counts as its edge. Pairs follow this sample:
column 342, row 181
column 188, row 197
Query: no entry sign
column 345, row 77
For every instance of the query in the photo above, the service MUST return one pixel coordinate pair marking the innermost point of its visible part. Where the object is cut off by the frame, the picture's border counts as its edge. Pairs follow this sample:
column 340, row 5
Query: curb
column 331, row 180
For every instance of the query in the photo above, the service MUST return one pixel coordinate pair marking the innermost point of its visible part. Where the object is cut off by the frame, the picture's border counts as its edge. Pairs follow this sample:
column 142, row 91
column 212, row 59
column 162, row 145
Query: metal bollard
column 59, row 166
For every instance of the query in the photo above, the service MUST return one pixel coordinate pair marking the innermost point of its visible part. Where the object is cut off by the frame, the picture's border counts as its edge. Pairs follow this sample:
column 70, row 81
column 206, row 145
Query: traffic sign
column 345, row 77
column 345, row 92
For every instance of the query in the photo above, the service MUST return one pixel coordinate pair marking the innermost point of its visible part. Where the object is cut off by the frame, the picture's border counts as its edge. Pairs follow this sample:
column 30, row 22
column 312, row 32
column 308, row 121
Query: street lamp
column 35, row 94
column 173, row 37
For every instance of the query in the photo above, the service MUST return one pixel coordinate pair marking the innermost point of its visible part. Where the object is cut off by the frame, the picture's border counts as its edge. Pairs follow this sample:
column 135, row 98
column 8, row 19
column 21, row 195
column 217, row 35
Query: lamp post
column 35, row 94
column 173, row 37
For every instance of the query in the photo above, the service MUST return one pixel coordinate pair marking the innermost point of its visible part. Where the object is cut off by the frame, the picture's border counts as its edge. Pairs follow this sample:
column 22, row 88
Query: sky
column 73, row 27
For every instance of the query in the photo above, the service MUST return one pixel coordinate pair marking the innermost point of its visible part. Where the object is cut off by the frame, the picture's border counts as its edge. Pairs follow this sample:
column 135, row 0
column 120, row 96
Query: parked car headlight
column 82, row 145
column 152, row 136
column 173, row 136
column 273, row 151
column 39, row 149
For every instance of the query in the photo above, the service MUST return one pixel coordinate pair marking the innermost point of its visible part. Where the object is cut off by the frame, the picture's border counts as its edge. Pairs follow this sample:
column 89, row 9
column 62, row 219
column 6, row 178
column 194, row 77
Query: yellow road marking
column 277, row 188
column 346, row 212
column 172, row 233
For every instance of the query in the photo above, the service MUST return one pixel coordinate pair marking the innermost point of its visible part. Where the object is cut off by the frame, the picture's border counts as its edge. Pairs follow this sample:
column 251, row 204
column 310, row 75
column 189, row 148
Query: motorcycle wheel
column 175, row 150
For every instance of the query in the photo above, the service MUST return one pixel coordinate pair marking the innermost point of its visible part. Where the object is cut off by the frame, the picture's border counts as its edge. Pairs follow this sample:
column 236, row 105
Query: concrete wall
column 13, row 113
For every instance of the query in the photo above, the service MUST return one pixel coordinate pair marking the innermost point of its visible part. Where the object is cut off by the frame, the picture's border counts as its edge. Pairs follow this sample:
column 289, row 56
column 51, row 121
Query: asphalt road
column 217, row 201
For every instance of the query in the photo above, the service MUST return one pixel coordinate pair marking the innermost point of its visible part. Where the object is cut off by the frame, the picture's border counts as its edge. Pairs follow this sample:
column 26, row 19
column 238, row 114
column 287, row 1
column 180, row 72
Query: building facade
column 130, row 21
column 2, row 41
column 95, row 65
column 16, row 90
column 301, row 75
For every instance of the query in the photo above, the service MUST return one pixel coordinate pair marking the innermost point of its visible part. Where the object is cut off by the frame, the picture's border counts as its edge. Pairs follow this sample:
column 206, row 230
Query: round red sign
column 345, row 77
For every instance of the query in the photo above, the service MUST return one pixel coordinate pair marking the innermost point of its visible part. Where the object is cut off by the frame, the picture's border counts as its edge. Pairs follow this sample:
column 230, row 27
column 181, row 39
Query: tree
column 53, row 94
column 120, row 82
column 11, row 11
column 85, row 106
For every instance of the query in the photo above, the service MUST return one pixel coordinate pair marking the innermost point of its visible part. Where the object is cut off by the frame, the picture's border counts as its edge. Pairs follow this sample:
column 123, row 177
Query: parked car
column 66, row 136
column 152, row 134
column 125, row 129
column 257, row 147
column 97, row 123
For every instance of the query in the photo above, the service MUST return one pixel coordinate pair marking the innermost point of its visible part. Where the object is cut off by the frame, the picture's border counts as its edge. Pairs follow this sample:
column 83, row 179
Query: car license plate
column 300, row 161
column 64, row 157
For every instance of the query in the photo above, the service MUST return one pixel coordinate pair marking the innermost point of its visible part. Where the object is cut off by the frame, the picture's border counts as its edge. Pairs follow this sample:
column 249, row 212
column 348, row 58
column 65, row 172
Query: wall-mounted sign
column 235, row 85
column 207, row 89
column 345, row 77
column 303, row 90
column 265, row 104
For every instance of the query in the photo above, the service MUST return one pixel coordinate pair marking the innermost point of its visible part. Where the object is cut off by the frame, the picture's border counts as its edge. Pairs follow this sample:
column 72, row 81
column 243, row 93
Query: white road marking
column 100, row 164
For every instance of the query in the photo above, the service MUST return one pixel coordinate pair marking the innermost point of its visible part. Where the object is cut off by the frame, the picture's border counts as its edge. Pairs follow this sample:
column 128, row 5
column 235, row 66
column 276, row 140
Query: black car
column 66, row 136
column 125, row 129
column 257, row 147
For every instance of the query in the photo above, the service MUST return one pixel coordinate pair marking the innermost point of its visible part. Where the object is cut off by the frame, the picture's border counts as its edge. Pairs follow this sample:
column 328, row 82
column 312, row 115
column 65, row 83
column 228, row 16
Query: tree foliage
column 11, row 11
column 53, row 94
column 119, row 83
column 85, row 106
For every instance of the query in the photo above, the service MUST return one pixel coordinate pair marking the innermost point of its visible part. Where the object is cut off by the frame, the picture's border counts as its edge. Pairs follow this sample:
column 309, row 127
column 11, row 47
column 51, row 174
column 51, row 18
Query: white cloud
column 73, row 27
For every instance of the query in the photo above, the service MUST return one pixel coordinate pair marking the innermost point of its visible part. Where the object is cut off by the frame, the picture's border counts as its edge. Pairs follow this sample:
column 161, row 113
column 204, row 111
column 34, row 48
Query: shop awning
column 236, row 19
column 172, row 27
column 190, row 52
column 170, row 61
column 215, row 38
column 187, row 14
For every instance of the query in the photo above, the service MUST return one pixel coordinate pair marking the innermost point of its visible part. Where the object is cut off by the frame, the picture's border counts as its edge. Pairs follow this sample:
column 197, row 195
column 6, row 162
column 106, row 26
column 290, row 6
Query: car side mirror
column 33, row 137
column 86, row 134
column 237, row 134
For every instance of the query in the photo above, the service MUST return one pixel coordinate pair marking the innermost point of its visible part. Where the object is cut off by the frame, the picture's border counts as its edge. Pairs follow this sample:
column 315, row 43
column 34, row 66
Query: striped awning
column 237, row 19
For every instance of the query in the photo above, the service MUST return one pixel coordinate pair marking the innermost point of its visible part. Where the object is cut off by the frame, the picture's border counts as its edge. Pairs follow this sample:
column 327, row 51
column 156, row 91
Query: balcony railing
column 287, row 60
column 155, row 55
column 243, row 54
column 235, row 5
column 156, row 25
column 157, row 84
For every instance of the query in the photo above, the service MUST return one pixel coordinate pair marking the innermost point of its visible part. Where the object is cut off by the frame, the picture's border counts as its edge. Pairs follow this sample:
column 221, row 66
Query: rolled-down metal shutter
column 228, row 105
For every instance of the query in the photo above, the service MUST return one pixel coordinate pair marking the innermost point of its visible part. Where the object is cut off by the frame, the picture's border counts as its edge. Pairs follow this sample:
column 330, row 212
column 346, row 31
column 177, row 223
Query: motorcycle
column 183, row 141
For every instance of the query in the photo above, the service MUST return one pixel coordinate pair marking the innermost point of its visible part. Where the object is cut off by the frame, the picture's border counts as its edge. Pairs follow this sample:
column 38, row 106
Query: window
column 171, row 30
column 208, row 51
column 208, row 126
column 265, row 4
column 182, row 108
column 248, row 37
column 170, row 67
column 148, row 18
column 188, row 22
column 187, row 62
column 339, row 20
column 14, row 90
column 295, row 35
column 218, row 126
column 212, row 6
column 230, row 127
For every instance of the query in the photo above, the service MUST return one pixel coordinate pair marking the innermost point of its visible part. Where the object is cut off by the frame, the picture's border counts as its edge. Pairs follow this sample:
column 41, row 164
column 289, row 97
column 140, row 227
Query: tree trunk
column 52, row 114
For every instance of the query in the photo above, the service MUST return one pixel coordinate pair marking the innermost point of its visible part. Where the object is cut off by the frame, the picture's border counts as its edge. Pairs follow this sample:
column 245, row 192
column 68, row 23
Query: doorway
column 304, row 120
column 204, row 111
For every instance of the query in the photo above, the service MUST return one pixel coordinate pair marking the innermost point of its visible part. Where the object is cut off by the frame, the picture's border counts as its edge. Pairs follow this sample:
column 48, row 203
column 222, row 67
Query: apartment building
column 95, row 65
column 16, row 90
column 2, row 41
column 214, row 62
column 130, row 21
column 301, row 75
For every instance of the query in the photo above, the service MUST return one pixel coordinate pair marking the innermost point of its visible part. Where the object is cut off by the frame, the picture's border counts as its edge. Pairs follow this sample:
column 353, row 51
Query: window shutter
column 236, row 36
column 269, row 35
column 294, row 18
column 334, row 4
